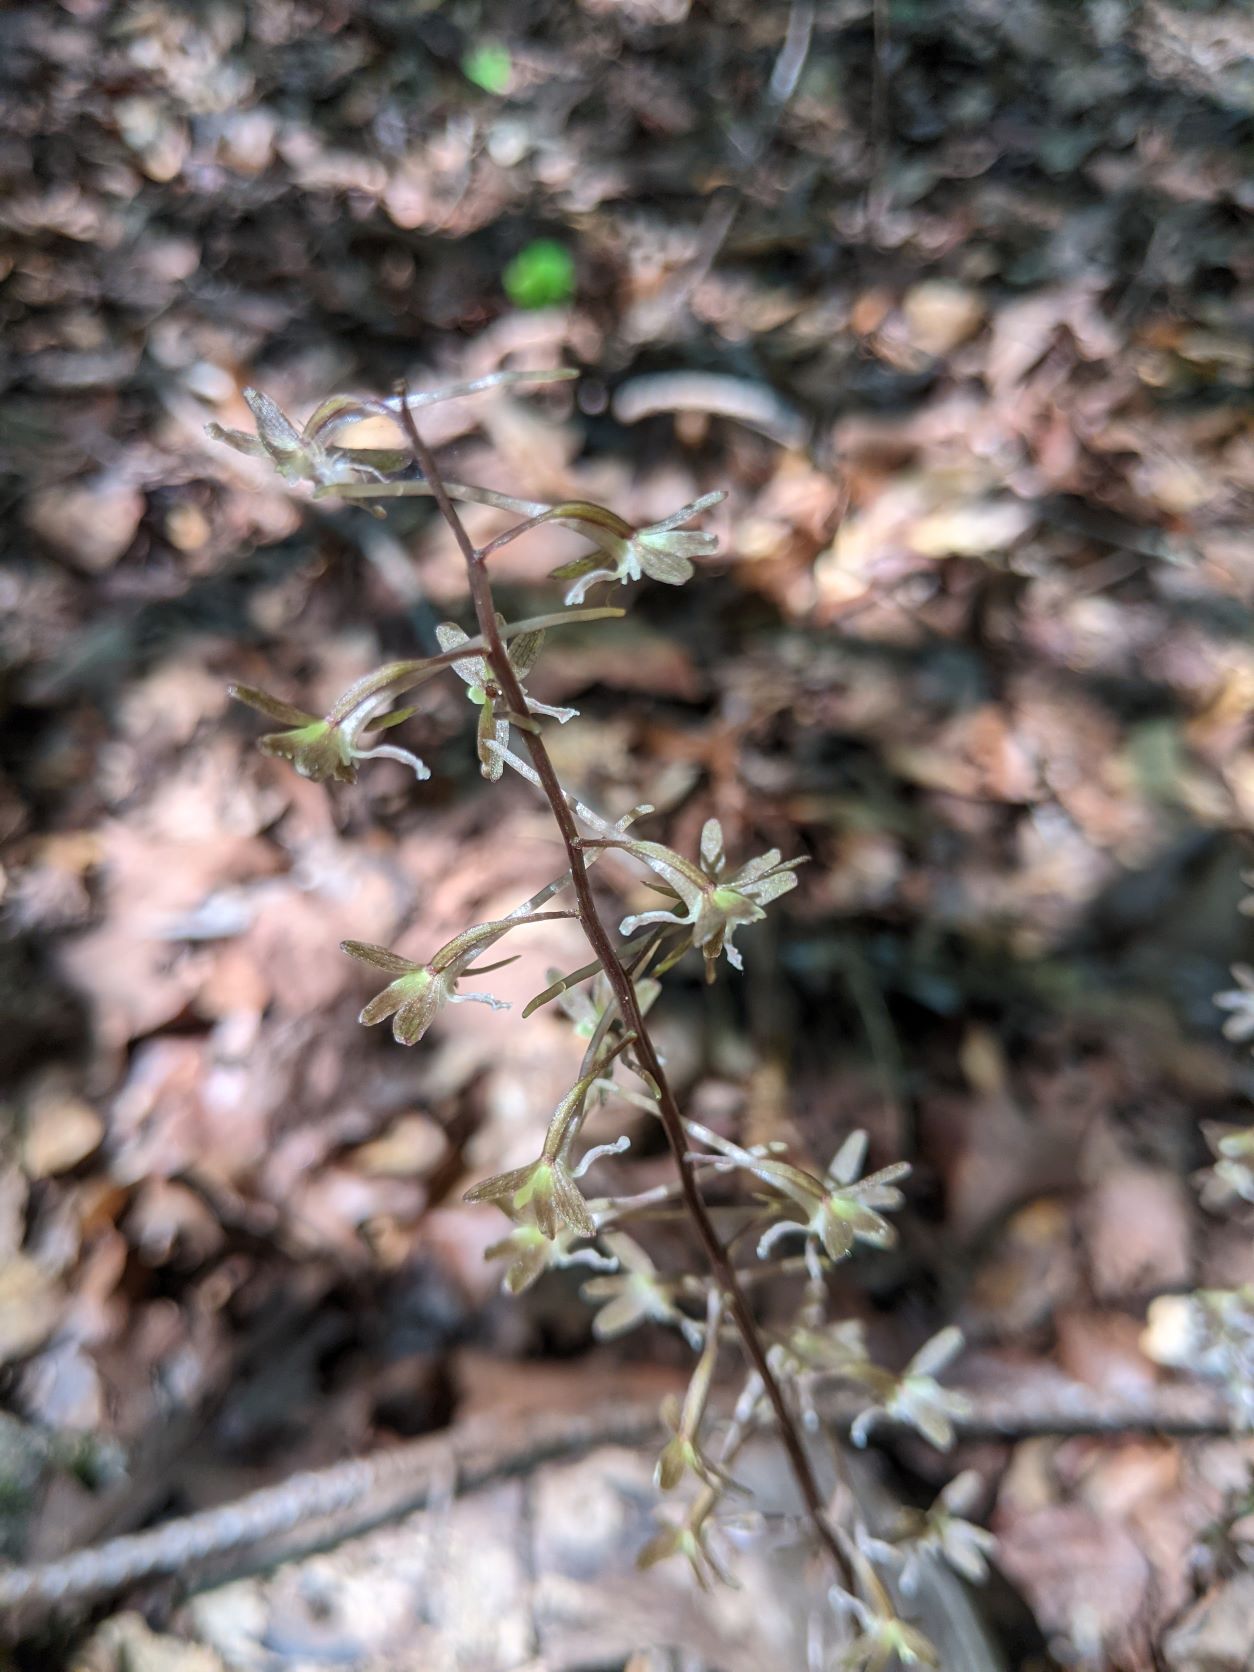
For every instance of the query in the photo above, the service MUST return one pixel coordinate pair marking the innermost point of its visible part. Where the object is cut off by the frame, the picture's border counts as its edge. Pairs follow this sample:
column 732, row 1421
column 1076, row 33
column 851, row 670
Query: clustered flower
column 695, row 1539
column 884, row 1641
column 683, row 1453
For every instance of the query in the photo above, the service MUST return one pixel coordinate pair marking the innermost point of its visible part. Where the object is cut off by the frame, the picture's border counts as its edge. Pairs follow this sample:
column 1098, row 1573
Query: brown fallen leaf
column 90, row 523
column 61, row 1130
column 30, row 1307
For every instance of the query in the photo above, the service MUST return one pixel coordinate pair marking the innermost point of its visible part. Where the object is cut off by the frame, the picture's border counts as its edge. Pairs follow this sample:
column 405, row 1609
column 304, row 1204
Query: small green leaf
column 540, row 276
column 488, row 66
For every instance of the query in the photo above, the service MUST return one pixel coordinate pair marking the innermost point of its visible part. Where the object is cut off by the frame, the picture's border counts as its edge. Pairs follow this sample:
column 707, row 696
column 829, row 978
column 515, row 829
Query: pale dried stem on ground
column 322, row 1507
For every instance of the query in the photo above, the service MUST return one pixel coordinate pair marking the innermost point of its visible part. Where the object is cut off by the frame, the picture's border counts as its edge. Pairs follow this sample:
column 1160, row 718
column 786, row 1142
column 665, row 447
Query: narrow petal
column 473, row 669
column 672, row 568
column 686, row 512
column 849, row 1158
column 240, row 440
column 690, row 542
column 379, row 956
column 284, row 712
column 932, row 1421
column 713, row 848
column 524, row 650
column 671, row 1465
column 279, row 436
column 623, row 1313
column 583, row 568
column 570, row 1204
column 417, row 1013
column 501, row 1187
column 770, row 888
column 755, row 868
column 381, row 1006
column 837, row 1237
column 661, row 1546
column 935, row 1354
column 492, row 731
column 530, row 1265
column 867, row 1188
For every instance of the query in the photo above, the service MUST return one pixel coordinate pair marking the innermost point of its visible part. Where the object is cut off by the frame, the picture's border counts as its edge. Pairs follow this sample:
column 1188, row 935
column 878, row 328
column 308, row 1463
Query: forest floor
column 955, row 306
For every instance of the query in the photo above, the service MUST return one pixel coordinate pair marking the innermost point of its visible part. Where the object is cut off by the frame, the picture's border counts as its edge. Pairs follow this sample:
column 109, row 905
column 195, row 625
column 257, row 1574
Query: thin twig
column 323, row 1507
column 629, row 1010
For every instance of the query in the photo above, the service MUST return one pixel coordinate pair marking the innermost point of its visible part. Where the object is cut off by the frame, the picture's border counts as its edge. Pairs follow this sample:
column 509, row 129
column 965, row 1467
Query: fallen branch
column 324, row 1507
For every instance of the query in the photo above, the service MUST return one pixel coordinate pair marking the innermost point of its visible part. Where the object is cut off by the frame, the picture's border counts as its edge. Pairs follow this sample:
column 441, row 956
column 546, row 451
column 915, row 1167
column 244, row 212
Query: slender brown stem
column 721, row 1268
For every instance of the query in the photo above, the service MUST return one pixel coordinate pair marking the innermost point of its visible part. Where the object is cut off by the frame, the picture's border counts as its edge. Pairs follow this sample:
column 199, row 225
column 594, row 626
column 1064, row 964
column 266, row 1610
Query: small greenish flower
column 691, row 1539
column 943, row 1532
column 634, row 1295
column 531, row 1254
column 683, row 1453
column 420, row 991
column 833, row 1212
column 661, row 550
column 915, row 1397
column 838, row 1349
column 715, row 905
column 885, row 1640
column 543, row 1189
column 1239, row 1001
column 543, row 1192
column 476, row 672
column 331, row 748
column 841, row 1209
column 1233, row 1172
